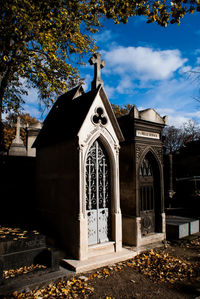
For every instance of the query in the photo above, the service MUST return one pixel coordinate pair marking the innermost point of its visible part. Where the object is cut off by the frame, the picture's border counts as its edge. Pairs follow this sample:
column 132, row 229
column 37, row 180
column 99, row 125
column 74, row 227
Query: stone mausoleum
column 141, row 177
column 80, row 180
column 78, row 196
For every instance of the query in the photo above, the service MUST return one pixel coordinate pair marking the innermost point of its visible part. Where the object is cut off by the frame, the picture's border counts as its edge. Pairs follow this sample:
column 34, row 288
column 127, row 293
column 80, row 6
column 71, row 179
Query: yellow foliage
column 120, row 110
column 38, row 38
column 5, row 58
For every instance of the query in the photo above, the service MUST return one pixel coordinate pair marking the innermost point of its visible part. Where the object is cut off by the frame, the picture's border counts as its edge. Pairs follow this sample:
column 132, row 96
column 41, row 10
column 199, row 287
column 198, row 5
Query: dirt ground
column 129, row 282
column 170, row 272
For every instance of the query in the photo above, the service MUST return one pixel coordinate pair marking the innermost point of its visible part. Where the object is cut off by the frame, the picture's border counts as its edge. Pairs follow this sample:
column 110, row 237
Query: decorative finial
column 98, row 65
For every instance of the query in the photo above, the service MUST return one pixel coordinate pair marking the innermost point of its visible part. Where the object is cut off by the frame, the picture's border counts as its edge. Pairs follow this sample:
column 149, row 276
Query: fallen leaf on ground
column 162, row 267
column 23, row 270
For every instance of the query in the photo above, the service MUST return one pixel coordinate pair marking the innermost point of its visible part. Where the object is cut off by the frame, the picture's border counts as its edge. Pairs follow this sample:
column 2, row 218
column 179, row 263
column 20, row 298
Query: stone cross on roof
column 98, row 65
column 17, row 136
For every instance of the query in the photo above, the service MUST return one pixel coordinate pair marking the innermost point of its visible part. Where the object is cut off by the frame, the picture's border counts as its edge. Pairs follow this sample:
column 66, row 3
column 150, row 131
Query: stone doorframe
column 156, row 152
column 112, row 150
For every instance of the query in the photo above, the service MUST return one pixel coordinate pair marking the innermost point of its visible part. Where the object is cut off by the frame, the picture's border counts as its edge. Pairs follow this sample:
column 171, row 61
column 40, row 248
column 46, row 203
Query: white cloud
column 153, row 79
column 179, row 104
column 176, row 93
column 110, row 91
column 170, row 97
column 195, row 114
column 165, row 111
column 185, row 70
column 105, row 36
column 87, row 82
column 177, row 120
column 33, row 110
column 32, row 97
column 125, row 85
column 144, row 63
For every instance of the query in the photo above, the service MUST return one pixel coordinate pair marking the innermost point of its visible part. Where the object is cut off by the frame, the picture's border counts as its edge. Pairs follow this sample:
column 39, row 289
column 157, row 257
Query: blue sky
column 148, row 66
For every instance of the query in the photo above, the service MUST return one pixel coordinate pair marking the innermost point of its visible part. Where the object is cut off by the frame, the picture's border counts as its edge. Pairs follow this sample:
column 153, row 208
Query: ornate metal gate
column 147, row 200
column 98, row 194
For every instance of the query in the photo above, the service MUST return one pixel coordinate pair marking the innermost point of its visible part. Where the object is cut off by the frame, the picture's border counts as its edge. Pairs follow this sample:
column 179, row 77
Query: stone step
column 25, row 283
column 101, row 249
column 8, row 246
column 127, row 252
column 99, row 261
column 42, row 256
column 26, row 248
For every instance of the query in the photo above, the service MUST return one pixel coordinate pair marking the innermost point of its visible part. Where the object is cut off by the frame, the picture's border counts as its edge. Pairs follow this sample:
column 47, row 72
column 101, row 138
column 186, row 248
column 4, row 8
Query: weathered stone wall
column 58, row 193
column 127, row 180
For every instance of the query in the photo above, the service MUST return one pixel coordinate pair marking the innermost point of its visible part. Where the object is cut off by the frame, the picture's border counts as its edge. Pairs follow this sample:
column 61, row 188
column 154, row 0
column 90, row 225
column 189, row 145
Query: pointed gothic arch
column 149, row 192
column 108, row 211
column 98, row 194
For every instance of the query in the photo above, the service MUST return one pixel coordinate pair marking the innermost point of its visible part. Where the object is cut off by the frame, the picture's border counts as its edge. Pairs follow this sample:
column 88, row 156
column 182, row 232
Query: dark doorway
column 149, row 192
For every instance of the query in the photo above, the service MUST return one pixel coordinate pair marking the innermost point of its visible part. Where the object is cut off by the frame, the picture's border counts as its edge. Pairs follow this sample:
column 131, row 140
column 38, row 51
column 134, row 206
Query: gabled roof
column 68, row 113
column 111, row 114
column 149, row 115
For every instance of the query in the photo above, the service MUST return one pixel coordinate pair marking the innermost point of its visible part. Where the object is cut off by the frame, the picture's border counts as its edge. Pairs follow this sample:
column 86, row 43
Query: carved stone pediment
column 139, row 149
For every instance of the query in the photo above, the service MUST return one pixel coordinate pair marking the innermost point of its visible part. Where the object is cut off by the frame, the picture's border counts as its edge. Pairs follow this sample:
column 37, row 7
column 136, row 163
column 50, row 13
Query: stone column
column 117, row 210
column 82, row 218
column 170, row 190
column 32, row 133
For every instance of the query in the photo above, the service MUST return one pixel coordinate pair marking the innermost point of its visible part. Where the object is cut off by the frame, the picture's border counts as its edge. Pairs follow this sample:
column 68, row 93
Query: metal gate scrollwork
column 97, row 194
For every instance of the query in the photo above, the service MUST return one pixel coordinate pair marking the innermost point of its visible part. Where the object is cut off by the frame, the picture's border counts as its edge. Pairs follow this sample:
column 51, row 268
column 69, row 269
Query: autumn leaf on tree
column 121, row 110
column 43, row 42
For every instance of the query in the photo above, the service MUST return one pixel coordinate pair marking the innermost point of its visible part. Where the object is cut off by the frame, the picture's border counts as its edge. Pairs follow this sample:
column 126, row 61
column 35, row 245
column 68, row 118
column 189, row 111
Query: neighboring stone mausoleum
column 78, row 196
column 17, row 147
column 141, row 177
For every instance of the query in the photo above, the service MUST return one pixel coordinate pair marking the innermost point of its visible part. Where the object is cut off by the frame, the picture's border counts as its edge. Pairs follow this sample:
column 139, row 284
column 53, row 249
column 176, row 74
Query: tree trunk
column 1, row 126
column 1, row 100
column 1, row 106
column 3, row 85
column 1, row 123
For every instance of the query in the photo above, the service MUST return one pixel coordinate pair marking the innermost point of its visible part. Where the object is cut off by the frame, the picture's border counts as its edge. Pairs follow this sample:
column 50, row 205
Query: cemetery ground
column 171, row 271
